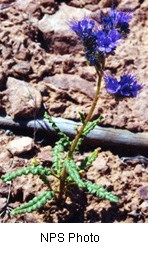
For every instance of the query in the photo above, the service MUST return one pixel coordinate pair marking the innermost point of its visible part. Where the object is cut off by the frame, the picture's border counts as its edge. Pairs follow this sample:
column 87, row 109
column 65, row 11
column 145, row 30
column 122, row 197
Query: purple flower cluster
column 116, row 20
column 126, row 87
column 101, row 37
column 107, row 41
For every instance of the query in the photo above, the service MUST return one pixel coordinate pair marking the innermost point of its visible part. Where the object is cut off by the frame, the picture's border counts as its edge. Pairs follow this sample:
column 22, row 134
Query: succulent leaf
column 34, row 204
column 35, row 170
column 100, row 192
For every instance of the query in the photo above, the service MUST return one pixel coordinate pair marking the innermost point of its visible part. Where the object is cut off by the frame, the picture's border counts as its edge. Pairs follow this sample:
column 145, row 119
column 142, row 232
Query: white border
column 116, row 237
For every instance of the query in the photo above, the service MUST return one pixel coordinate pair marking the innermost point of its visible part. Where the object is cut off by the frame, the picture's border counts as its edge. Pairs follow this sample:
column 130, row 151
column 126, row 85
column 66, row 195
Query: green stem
column 78, row 135
column 62, row 183
column 74, row 143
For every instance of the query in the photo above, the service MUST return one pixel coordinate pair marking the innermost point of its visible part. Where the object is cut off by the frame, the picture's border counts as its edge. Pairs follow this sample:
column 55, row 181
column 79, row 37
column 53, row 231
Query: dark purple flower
column 91, row 57
column 129, row 86
column 122, row 21
column 83, row 27
column 114, row 36
column 118, row 20
column 126, row 87
column 113, row 85
column 102, row 40
column 119, row 17
column 107, row 41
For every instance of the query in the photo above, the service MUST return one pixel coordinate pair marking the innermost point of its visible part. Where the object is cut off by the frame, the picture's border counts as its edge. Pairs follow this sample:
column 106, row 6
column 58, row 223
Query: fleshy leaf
column 34, row 204
column 100, row 192
column 73, row 172
column 85, row 164
column 35, row 170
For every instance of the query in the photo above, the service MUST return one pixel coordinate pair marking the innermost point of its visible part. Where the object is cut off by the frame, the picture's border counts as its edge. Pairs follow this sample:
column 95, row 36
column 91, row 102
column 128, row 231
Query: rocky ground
column 42, row 66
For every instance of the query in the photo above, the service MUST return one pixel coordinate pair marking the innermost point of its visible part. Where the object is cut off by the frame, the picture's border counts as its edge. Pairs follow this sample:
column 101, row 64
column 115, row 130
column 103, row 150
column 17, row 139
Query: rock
column 103, row 182
column 100, row 164
column 143, row 192
column 3, row 202
column 23, row 4
column 58, row 21
column 82, row 3
column 24, row 99
column 2, row 170
column 144, row 207
column 23, row 54
column 139, row 169
column 32, row 6
column 145, row 5
column 45, row 155
column 4, row 189
column 127, row 112
column 20, row 145
column 56, row 31
column 29, row 6
column 22, row 68
column 4, row 161
column 108, row 3
column 88, row 73
column 134, row 213
column 67, row 95
column 6, row 52
column 2, row 78
column 129, row 5
column 92, row 8
column 72, row 82
column 6, row 1
column 48, row 6
column 67, row 64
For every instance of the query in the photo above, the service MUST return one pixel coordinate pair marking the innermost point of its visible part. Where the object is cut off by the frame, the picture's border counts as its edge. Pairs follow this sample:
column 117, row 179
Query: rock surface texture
column 20, row 145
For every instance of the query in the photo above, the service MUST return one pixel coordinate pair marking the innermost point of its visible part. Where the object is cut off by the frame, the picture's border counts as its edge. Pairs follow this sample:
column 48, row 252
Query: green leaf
column 82, row 117
column 64, row 137
column 60, row 146
column 57, row 153
column 73, row 172
column 34, row 204
column 91, row 125
column 50, row 120
column 85, row 164
column 35, row 170
column 100, row 192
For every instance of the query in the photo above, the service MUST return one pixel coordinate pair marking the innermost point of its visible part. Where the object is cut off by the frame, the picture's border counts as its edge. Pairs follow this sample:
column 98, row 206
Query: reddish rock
column 72, row 82
column 129, row 4
column 6, row 52
column 22, row 68
column 6, row 1
column 144, row 5
column 24, row 99
column 143, row 192
column 56, row 31
column 29, row 6
column 48, row 6
column 3, row 202
column 108, row 3
column 4, row 161
column 20, row 145
column 45, row 155
column 82, row 3
column 144, row 208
